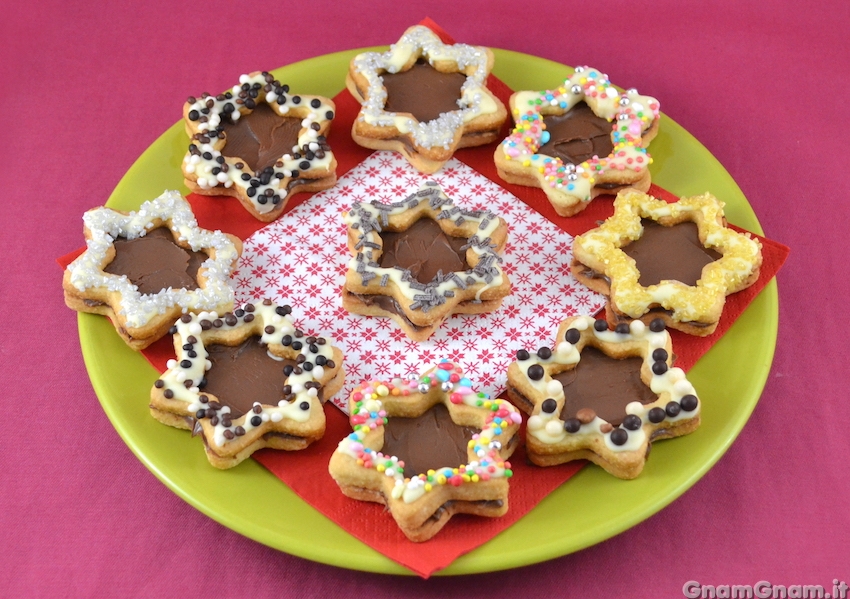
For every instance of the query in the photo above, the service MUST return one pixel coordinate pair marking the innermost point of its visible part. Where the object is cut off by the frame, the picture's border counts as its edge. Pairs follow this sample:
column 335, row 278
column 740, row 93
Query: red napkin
column 305, row 472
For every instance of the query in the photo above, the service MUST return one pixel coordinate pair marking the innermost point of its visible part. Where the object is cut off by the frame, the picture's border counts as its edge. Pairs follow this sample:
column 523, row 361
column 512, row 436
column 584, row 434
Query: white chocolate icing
column 170, row 209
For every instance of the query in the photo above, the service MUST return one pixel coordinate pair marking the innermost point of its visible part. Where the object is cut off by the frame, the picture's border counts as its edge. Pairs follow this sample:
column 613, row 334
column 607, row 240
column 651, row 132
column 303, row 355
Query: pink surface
column 86, row 90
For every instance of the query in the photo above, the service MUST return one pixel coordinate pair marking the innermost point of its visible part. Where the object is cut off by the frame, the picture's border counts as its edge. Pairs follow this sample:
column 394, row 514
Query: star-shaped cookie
column 678, row 261
column 245, row 380
column 424, row 99
column 602, row 395
column 427, row 447
column 259, row 142
column 144, row 269
column 423, row 259
column 578, row 141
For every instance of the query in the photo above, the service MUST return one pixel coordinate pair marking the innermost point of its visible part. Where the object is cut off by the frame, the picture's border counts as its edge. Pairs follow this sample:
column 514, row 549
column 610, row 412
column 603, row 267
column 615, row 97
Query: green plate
column 251, row 501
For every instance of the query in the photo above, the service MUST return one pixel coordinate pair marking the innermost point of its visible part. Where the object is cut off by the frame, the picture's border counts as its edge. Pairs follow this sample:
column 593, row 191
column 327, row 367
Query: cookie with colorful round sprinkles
column 260, row 143
column 428, row 447
column 580, row 140
column 143, row 269
column 424, row 99
column 602, row 395
column 675, row 261
column 246, row 380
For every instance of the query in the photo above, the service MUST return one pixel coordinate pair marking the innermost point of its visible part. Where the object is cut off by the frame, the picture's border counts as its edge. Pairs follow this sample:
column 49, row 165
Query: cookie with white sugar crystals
column 602, row 395
column 246, row 380
column 420, row 260
column 259, row 142
column 675, row 261
column 144, row 269
column 580, row 140
column 428, row 447
column 425, row 99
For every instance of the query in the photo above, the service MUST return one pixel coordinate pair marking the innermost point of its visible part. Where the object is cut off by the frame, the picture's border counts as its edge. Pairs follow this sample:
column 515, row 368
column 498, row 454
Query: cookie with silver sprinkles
column 425, row 99
column 144, row 269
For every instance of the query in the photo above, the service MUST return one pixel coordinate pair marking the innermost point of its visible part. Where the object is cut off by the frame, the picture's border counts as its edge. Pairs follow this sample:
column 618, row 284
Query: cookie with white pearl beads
column 312, row 374
column 667, row 407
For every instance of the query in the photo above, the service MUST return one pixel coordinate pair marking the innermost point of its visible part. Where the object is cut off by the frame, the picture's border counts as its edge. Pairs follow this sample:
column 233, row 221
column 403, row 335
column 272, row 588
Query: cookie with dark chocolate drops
column 602, row 395
column 247, row 379
column 259, row 142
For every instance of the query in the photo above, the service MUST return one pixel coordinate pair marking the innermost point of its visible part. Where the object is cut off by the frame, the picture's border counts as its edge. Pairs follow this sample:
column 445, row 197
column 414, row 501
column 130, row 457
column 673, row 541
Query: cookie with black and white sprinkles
column 602, row 395
column 245, row 380
column 259, row 142
column 144, row 269
column 420, row 260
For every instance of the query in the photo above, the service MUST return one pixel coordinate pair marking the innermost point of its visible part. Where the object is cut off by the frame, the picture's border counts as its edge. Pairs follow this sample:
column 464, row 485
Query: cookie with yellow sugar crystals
column 675, row 261
column 143, row 269
column 245, row 380
column 259, row 142
column 420, row 260
column 428, row 446
column 580, row 140
column 602, row 395
column 424, row 99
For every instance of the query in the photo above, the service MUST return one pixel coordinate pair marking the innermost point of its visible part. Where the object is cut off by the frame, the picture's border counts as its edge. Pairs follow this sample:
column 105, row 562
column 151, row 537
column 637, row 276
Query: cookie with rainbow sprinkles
column 602, row 395
column 428, row 447
column 580, row 140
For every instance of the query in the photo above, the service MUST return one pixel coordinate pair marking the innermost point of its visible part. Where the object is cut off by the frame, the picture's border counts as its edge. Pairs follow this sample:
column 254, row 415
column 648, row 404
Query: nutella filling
column 669, row 253
column 487, row 504
column 603, row 384
column 244, row 374
column 577, row 135
column 386, row 303
column 423, row 91
column 427, row 442
column 425, row 250
column 154, row 262
column 261, row 137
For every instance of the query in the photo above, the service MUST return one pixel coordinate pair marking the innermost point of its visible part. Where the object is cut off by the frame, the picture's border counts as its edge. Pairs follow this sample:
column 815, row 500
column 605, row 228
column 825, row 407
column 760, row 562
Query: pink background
column 86, row 90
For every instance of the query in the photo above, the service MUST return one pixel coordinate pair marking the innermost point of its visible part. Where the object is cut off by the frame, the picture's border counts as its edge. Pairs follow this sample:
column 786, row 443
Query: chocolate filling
column 244, row 374
column 261, row 137
column 423, row 91
column 425, row 250
column 489, row 504
column 669, row 253
column 577, row 135
column 603, row 384
column 427, row 442
column 154, row 262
